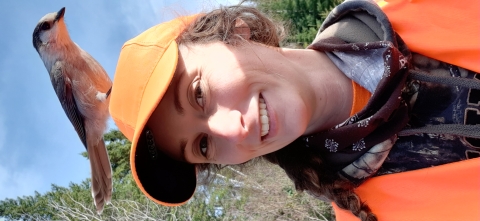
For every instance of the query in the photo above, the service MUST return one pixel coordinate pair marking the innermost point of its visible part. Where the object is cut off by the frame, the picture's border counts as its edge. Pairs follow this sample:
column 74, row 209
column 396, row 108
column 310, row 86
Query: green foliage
column 302, row 18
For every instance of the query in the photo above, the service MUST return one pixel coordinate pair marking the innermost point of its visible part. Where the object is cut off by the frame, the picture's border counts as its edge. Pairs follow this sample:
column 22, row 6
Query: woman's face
column 227, row 105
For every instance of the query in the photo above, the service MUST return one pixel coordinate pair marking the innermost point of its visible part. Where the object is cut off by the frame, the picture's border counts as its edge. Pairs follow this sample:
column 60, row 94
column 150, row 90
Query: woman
column 216, row 89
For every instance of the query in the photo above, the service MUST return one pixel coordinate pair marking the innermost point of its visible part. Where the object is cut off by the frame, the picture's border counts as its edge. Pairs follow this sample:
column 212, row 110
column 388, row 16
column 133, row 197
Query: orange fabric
column 448, row 31
column 442, row 193
column 360, row 98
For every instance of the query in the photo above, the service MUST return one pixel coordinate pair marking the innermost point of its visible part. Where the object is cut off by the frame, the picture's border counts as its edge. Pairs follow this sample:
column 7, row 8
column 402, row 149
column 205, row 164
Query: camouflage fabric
column 437, row 104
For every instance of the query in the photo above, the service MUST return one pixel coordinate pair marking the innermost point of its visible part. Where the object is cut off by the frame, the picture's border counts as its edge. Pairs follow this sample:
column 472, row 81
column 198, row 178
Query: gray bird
column 82, row 86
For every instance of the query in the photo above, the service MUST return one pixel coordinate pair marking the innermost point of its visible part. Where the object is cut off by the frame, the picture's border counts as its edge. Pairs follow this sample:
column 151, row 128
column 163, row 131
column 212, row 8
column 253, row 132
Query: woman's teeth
column 264, row 117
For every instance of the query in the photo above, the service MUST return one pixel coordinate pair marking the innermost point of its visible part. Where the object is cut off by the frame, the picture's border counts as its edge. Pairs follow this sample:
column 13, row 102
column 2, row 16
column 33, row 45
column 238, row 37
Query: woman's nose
column 229, row 125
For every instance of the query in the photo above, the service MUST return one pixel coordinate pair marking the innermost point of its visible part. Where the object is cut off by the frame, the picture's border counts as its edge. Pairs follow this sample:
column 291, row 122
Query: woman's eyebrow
column 177, row 78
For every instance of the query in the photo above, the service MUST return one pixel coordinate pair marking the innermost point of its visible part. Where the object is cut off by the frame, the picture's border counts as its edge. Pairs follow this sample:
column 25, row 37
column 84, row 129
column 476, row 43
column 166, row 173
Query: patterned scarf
column 385, row 61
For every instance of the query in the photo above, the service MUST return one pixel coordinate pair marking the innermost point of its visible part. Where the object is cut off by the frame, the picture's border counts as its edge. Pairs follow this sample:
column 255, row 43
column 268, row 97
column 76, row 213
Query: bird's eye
column 45, row 26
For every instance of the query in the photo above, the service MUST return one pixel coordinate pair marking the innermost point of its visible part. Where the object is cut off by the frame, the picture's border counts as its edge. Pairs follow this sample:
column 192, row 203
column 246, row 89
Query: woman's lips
column 267, row 129
column 264, row 120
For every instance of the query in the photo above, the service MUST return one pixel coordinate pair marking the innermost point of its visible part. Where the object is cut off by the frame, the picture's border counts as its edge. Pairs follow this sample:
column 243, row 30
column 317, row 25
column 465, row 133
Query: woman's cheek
column 232, row 157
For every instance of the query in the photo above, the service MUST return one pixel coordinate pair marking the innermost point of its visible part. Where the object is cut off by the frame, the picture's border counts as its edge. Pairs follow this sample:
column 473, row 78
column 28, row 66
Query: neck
column 59, row 46
column 333, row 90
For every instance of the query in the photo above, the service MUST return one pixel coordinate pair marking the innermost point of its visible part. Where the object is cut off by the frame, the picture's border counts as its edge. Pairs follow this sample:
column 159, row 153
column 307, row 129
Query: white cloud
column 212, row 4
column 17, row 183
column 142, row 16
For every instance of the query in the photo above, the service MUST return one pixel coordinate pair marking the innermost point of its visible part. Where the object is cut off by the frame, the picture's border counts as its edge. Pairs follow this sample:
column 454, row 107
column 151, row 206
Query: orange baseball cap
column 145, row 68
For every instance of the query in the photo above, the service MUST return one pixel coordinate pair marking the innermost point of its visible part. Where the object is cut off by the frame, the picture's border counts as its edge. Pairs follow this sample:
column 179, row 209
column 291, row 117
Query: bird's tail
column 101, row 174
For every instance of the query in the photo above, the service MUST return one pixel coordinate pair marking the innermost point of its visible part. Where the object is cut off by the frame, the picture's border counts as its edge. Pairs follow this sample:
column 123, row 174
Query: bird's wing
column 63, row 87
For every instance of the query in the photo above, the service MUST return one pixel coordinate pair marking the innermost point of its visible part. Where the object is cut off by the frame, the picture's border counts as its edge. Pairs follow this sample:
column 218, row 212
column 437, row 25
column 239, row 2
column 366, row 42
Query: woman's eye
column 199, row 97
column 204, row 145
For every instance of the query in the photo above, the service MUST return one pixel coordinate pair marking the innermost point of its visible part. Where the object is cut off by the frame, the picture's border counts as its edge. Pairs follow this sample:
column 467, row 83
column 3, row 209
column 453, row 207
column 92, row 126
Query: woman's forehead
column 180, row 68
column 205, row 49
column 211, row 57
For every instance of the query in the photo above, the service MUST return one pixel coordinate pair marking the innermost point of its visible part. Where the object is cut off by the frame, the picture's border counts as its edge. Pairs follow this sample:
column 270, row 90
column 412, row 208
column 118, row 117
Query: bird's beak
column 59, row 14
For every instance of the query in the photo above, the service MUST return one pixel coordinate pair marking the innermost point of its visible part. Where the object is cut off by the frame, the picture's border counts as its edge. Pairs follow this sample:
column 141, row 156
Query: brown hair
column 304, row 167
column 219, row 25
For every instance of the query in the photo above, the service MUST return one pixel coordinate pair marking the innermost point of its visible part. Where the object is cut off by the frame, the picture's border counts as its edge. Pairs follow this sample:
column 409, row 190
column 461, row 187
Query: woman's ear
column 242, row 29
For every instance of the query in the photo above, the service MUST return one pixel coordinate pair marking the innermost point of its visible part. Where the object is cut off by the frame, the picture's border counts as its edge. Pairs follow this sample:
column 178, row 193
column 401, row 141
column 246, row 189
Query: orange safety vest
column 448, row 31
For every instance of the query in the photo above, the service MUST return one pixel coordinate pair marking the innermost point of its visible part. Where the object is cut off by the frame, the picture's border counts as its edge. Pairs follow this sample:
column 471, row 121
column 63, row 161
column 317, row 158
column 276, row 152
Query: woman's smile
column 263, row 113
column 267, row 120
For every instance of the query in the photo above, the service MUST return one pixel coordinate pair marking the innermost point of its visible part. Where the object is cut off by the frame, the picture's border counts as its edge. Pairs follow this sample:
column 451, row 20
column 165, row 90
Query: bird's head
column 51, row 29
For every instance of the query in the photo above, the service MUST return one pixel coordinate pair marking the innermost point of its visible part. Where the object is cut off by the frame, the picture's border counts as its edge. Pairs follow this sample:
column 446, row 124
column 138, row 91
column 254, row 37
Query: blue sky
column 38, row 145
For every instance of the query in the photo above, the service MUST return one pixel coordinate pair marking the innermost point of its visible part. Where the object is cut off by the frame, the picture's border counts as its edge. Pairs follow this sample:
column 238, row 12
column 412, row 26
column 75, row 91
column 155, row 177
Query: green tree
column 302, row 18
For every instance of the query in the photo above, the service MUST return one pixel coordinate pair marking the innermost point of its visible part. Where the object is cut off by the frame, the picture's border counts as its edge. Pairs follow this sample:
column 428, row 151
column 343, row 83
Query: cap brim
column 164, row 180
column 167, row 181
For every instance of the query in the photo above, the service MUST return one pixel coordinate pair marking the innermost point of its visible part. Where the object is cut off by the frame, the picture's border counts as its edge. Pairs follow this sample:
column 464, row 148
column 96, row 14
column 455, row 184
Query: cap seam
column 149, row 78
column 141, row 44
